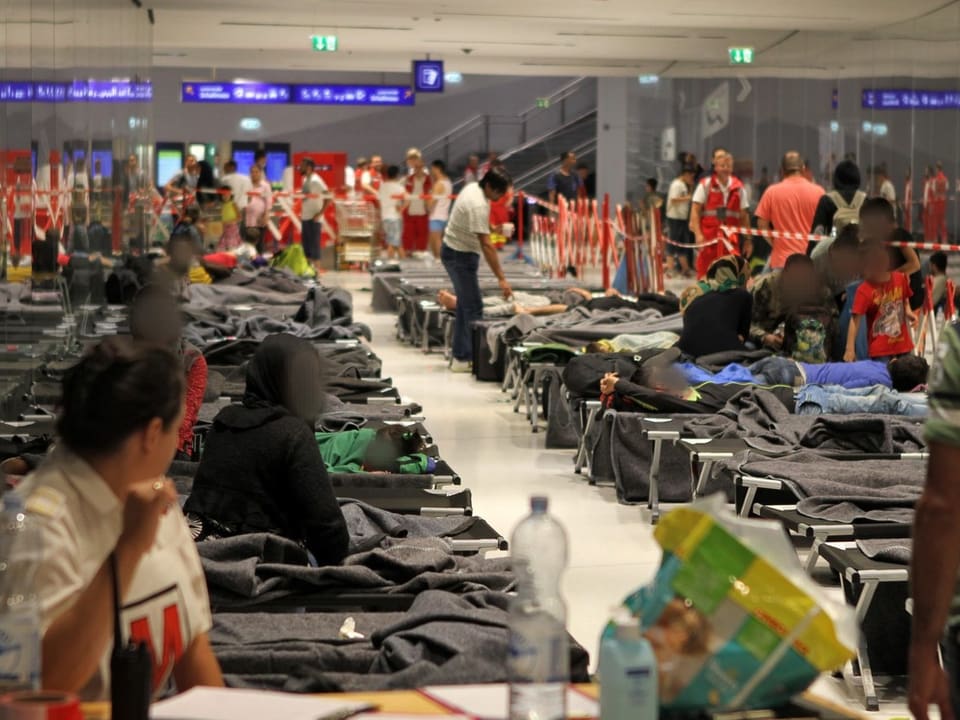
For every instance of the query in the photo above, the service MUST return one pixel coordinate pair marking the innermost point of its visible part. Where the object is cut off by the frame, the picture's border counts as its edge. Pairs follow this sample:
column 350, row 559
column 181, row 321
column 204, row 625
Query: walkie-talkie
column 131, row 667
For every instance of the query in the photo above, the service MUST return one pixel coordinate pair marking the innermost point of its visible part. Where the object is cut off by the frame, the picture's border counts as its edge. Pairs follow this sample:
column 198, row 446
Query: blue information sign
column 353, row 95
column 235, row 93
column 428, row 76
column 96, row 91
column 911, row 99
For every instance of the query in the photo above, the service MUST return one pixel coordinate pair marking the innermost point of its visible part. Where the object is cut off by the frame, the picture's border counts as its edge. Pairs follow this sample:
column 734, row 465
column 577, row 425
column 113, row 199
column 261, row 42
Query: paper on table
column 490, row 701
column 225, row 704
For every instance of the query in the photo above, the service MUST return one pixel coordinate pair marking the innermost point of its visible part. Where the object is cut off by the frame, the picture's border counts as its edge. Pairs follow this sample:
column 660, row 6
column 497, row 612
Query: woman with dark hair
column 717, row 310
column 155, row 318
column 107, row 515
column 846, row 196
column 261, row 469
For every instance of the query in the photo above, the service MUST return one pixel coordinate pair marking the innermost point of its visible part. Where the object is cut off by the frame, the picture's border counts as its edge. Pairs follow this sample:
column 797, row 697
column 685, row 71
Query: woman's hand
column 609, row 383
column 850, row 355
column 146, row 503
column 505, row 288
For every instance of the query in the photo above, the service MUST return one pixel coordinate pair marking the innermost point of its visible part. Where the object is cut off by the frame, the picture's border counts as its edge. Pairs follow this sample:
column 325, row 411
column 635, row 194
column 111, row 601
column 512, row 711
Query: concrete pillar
column 612, row 96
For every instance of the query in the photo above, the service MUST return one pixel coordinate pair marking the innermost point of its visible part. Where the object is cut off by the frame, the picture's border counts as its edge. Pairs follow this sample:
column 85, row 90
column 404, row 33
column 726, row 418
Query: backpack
column 809, row 333
column 847, row 213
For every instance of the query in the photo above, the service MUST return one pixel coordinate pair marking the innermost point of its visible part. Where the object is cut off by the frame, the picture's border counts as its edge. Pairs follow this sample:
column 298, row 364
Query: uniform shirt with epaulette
column 166, row 606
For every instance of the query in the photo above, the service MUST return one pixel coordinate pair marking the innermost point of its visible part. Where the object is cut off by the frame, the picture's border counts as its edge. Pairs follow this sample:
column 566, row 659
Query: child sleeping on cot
column 392, row 449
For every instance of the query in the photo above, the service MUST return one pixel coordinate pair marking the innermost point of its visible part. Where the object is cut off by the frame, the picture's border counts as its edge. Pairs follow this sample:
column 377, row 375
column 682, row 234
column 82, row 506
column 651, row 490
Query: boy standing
column 884, row 297
column 393, row 200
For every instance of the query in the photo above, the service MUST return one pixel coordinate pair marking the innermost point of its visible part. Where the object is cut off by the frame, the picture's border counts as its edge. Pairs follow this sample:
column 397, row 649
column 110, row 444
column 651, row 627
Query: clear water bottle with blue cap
column 21, row 548
column 538, row 663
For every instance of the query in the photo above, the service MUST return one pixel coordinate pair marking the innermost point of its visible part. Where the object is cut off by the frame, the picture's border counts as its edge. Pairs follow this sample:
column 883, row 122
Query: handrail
column 561, row 94
column 545, row 168
column 482, row 119
column 537, row 140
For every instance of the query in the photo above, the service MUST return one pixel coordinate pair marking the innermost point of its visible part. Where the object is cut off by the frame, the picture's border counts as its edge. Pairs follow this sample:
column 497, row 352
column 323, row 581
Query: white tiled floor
column 612, row 551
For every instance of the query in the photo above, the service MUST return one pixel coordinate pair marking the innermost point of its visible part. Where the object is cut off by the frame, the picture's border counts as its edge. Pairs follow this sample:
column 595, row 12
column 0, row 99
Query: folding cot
column 862, row 579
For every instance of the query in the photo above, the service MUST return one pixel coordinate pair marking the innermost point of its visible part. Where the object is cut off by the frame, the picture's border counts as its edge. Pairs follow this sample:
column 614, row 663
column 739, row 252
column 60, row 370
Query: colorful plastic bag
column 734, row 621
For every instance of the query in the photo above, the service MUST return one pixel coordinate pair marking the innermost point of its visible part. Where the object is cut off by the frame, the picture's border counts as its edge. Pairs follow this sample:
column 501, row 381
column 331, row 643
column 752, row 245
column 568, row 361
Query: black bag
column 44, row 257
column 85, row 280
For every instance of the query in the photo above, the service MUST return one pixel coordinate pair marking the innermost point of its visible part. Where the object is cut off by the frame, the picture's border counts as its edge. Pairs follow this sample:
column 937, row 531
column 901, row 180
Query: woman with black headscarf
column 261, row 469
column 846, row 194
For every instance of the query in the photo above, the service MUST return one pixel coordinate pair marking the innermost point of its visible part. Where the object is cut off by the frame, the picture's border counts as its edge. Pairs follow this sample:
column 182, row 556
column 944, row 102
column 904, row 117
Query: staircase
column 531, row 163
column 562, row 121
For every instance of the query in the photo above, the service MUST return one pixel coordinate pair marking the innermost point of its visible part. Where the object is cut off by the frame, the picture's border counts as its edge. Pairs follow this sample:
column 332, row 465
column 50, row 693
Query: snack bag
column 733, row 620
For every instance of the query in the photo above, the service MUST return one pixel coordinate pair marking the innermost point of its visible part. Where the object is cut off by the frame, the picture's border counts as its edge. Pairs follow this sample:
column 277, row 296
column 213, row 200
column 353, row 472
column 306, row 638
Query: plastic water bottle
column 21, row 547
column 538, row 663
column 628, row 673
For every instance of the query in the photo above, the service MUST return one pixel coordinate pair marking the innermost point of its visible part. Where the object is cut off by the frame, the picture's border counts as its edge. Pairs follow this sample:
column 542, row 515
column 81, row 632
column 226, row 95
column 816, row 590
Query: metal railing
column 475, row 133
column 534, row 176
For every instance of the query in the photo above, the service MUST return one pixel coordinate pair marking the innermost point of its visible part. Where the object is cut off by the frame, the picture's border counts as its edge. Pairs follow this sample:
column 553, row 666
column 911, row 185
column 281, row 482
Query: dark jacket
column 716, row 322
column 262, row 472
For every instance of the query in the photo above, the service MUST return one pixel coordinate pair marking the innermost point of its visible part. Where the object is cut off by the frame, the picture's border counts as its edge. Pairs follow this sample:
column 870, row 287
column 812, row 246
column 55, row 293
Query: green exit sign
column 741, row 55
column 543, row 102
column 324, row 43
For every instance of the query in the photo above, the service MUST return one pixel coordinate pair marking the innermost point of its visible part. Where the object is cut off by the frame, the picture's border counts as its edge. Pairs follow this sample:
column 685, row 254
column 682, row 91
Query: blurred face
column 181, row 257
column 303, row 387
column 305, row 168
column 569, row 161
column 132, row 162
column 876, row 263
column 376, row 163
column 256, row 175
column 876, row 227
column 435, row 172
column 845, row 264
column 191, row 164
column 798, row 281
column 474, row 161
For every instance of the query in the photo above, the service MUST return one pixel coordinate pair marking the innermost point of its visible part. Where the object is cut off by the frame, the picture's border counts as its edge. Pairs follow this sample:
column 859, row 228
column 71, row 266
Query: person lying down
column 555, row 302
column 665, row 388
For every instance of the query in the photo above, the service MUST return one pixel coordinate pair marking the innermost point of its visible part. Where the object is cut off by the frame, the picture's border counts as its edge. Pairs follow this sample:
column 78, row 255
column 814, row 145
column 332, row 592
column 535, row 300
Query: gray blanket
column 254, row 569
column 898, row 552
column 443, row 639
column 845, row 491
column 757, row 416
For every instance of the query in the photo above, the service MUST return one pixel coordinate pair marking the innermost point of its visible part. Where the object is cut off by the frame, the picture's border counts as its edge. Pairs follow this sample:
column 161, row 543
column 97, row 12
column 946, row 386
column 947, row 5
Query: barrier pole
column 521, row 213
column 605, row 242
column 630, row 255
column 563, row 220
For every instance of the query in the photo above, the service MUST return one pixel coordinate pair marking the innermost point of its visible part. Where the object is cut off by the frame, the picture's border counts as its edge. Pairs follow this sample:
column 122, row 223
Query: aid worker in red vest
column 719, row 199
column 939, row 205
column 416, row 217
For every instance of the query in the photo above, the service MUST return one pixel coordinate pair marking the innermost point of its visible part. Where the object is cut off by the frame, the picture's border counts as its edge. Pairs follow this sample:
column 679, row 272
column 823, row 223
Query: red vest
column 715, row 211
column 940, row 188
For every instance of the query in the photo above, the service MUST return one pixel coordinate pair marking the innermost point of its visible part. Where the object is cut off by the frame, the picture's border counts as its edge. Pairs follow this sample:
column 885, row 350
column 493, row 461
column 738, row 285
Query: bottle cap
column 539, row 503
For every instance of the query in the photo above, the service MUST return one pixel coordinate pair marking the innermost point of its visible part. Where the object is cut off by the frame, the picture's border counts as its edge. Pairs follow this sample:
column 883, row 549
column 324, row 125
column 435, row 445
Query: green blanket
column 343, row 452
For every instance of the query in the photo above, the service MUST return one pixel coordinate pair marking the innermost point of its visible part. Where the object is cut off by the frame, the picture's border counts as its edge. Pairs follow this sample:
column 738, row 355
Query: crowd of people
column 852, row 296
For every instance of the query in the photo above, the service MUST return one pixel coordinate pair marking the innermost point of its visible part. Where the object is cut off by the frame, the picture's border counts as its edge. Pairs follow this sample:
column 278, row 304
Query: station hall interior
column 684, row 269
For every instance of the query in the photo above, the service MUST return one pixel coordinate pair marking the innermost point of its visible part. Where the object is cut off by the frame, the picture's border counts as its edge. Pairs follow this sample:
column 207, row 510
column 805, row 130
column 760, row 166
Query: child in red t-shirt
column 883, row 297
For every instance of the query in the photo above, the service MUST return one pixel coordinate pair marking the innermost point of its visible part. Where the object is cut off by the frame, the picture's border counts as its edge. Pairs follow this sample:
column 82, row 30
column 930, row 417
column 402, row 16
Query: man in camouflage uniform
column 936, row 547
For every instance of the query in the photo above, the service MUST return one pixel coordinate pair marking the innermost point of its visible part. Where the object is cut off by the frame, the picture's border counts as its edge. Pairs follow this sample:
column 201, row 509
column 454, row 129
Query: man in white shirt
column 466, row 237
column 314, row 191
column 239, row 184
column 678, row 219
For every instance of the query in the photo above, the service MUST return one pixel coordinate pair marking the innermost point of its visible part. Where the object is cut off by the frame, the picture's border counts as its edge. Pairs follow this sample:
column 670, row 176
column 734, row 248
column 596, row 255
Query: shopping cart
column 356, row 232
